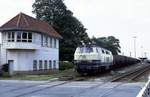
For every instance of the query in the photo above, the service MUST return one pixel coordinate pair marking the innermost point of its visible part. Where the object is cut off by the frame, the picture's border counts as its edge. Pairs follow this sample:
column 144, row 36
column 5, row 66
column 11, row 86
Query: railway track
column 132, row 75
column 33, row 90
column 34, row 86
column 59, row 84
column 37, row 90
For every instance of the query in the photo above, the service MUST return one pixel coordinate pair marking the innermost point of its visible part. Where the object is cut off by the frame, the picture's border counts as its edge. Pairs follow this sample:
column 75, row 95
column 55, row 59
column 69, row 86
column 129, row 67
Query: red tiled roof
column 24, row 22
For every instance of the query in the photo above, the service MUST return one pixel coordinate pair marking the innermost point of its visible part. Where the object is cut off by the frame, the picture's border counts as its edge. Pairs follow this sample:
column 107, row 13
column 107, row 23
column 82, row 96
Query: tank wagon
column 93, row 59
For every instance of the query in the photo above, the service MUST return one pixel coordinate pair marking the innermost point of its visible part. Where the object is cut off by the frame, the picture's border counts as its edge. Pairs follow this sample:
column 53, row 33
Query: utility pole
column 130, row 54
column 134, row 46
column 122, row 53
column 142, row 52
column 145, row 54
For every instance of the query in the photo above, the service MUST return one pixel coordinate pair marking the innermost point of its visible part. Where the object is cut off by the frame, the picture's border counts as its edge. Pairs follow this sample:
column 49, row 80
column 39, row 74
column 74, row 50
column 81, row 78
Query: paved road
column 67, row 89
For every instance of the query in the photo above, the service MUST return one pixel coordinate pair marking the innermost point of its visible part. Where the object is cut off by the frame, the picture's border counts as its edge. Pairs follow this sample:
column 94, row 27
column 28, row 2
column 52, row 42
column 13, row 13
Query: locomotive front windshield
column 85, row 50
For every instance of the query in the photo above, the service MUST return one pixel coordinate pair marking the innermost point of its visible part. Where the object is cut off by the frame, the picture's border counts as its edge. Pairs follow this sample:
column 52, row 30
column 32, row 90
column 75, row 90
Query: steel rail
column 133, row 74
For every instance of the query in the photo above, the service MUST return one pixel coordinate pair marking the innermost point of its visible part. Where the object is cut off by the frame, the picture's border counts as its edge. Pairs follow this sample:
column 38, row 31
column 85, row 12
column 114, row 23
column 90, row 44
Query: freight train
column 93, row 59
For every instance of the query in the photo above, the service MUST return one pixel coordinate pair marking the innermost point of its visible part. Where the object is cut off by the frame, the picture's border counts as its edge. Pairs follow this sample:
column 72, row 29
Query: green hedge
column 5, row 74
column 64, row 65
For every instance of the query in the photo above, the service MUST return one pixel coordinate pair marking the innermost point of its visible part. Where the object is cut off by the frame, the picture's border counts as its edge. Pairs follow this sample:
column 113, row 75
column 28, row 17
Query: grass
column 60, row 74
column 28, row 77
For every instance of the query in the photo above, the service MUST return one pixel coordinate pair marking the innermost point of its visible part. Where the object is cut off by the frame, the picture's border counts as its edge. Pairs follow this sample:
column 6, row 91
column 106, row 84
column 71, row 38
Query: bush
column 4, row 70
column 64, row 65
column 5, row 74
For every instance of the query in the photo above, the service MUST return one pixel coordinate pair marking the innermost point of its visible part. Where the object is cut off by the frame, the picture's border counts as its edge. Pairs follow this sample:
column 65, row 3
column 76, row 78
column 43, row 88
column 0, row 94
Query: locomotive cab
column 86, row 54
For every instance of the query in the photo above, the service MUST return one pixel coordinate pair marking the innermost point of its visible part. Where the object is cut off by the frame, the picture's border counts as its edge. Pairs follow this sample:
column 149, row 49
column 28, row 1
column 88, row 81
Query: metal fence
column 145, row 92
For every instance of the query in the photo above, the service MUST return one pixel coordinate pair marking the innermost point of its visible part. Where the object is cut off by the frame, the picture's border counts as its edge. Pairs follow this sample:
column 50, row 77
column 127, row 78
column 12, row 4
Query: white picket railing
column 145, row 92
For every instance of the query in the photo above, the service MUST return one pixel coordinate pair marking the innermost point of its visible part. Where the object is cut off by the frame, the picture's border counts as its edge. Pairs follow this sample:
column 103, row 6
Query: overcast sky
column 120, row 18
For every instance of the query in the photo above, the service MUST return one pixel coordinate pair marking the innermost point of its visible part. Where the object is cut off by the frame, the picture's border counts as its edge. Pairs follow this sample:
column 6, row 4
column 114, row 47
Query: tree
column 70, row 28
column 110, row 43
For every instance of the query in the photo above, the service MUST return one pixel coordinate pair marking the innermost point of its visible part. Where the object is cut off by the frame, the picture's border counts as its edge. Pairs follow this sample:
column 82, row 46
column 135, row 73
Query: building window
column 35, row 65
column 44, row 40
column 11, row 36
column 29, row 37
column 50, row 42
column 18, row 36
column 54, row 43
column 54, row 64
column 50, row 64
column 40, row 65
column 24, row 37
column 45, row 64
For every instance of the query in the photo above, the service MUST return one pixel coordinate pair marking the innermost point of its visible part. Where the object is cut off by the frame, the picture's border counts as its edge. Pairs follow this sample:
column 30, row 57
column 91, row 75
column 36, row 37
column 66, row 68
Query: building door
column 10, row 67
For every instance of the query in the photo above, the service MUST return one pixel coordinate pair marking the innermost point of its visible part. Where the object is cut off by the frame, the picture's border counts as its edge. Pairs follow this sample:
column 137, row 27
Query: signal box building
column 29, row 45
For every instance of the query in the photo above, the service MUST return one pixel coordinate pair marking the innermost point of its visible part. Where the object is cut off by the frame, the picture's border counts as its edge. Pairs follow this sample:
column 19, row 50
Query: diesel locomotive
column 93, row 59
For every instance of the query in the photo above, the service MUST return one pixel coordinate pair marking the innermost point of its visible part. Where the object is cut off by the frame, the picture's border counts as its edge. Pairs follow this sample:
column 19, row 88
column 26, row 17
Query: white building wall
column 23, row 58
column 3, row 56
